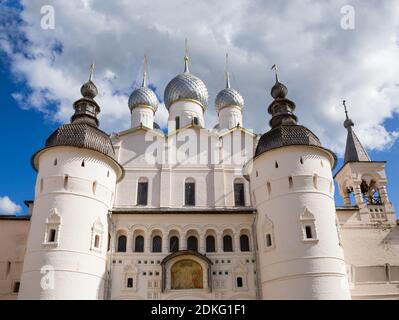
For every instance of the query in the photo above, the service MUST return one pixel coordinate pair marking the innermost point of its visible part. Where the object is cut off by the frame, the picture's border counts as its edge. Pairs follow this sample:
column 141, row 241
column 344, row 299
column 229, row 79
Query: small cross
column 346, row 110
column 276, row 69
column 91, row 72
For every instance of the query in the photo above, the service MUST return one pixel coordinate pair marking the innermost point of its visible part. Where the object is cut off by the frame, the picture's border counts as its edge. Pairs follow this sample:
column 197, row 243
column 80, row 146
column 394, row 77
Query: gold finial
column 276, row 69
column 346, row 110
column 227, row 71
column 186, row 56
column 145, row 71
column 91, row 72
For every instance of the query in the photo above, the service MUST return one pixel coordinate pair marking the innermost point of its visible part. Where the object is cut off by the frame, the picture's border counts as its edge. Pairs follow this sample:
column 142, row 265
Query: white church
column 190, row 212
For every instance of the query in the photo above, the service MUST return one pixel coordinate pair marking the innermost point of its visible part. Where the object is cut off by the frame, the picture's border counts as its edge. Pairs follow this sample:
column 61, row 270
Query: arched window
column 139, row 244
column 195, row 121
column 189, row 193
column 227, row 243
column 174, row 244
column 122, row 244
column 210, row 244
column 157, row 244
column 192, row 243
column 244, row 242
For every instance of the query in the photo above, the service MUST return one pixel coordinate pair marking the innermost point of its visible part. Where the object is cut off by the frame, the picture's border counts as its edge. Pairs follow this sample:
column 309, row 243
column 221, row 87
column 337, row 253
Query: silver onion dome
column 228, row 97
column 143, row 96
column 186, row 86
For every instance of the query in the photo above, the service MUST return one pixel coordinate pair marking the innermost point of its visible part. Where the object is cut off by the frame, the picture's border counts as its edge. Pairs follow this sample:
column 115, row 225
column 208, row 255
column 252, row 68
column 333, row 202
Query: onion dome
column 186, row 86
column 284, row 128
column 83, row 131
column 228, row 97
column 143, row 96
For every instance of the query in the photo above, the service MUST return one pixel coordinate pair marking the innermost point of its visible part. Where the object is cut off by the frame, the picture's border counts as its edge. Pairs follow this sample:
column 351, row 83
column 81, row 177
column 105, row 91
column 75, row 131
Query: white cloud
column 321, row 63
column 7, row 206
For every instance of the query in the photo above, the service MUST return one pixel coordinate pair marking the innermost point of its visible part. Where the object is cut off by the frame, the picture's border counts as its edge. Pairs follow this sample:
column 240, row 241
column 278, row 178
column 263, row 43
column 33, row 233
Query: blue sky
column 41, row 71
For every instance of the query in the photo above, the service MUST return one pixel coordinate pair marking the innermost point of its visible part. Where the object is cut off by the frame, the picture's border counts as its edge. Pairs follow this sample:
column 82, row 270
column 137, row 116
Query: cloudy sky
column 321, row 61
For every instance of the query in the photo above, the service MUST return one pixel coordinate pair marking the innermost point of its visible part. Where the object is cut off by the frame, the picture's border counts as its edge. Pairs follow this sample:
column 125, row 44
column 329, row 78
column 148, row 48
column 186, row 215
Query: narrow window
column 109, row 242
column 244, row 243
column 108, row 174
column 210, row 244
column 55, row 161
column 189, row 199
column 239, row 197
column 51, row 235
column 94, row 187
column 227, row 243
column 301, row 160
column 276, row 164
column 41, row 185
column 122, row 244
column 139, row 244
column 97, row 241
column 83, row 163
column 268, row 240
column 290, row 182
column 66, row 177
column 315, row 181
column 142, row 193
column 192, row 243
column 269, row 188
column 129, row 282
column 196, row 121
column 177, row 122
column 157, row 244
column 16, row 286
column 308, row 231
column 239, row 282
column 174, row 244
column 322, row 163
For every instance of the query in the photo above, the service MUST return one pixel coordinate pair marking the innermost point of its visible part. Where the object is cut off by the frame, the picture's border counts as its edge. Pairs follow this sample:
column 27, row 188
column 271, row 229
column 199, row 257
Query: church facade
column 197, row 213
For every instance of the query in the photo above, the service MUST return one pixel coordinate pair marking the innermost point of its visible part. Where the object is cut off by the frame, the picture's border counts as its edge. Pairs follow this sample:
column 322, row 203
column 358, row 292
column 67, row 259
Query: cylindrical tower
column 67, row 241
column 143, row 104
column 300, row 255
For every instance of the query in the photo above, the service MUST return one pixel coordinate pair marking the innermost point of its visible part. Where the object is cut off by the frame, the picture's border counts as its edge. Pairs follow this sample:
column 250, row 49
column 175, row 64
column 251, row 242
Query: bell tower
column 361, row 181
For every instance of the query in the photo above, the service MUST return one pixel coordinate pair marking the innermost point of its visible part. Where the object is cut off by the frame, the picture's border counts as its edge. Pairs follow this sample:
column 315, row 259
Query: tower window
column 142, row 193
column 290, row 182
column 301, row 160
column 189, row 199
column 227, row 243
column 55, row 161
column 244, row 243
column 97, row 241
column 129, row 283
column 239, row 197
column 157, row 244
column 239, row 282
column 269, row 240
column 269, row 188
column 139, row 244
column 83, row 163
column 196, row 121
column 192, row 243
column 276, row 164
column 210, row 244
column 174, row 244
column 308, row 232
column 16, row 286
column 177, row 123
column 122, row 244
column 51, row 235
